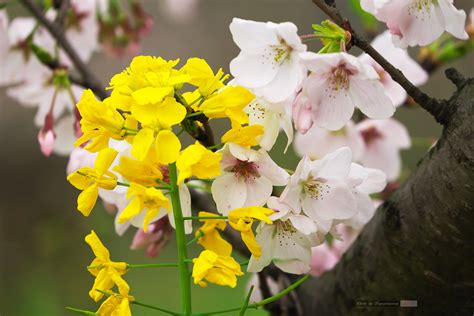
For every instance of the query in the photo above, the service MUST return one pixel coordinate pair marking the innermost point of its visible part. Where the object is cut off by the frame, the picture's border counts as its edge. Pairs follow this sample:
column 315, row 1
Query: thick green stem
column 183, row 268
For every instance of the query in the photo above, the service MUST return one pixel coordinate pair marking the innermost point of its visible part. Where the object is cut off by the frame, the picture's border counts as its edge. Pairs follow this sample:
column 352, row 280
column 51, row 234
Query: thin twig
column 433, row 106
column 62, row 13
column 89, row 78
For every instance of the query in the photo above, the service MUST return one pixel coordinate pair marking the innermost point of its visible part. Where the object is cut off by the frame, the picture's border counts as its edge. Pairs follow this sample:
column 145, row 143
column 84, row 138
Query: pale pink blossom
column 418, row 22
column 46, row 140
column 318, row 142
column 302, row 112
column 179, row 10
column 383, row 141
column 269, row 59
column 339, row 82
column 286, row 242
column 332, row 189
column 247, row 178
column 400, row 59
column 155, row 239
column 80, row 157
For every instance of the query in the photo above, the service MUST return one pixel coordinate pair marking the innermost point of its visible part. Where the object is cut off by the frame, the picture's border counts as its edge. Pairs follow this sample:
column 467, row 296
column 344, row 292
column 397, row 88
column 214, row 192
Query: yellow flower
column 202, row 76
column 157, row 120
column 106, row 272
column 89, row 180
column 210, row 238
column 117, row 304
column 241, row 219
column 199, row 161
column 150, row 199
column 154, row 75
column 229, row 102
column 245, row 136
column 100, row 121
column 220, row 270
column 145, row 172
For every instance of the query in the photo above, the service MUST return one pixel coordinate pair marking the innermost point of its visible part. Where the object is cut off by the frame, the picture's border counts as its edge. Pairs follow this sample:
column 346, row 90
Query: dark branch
column 88, row 77
column 434, row 107
column 62, row 13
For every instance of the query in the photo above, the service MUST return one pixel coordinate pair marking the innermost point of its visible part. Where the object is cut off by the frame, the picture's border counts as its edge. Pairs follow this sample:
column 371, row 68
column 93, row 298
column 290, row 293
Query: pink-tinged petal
column 324, row 258
column 335, row 165
column 251, row 36
column 303, row 224
column 332, row 109
column 46, row 140
column 285, row 82
column 375, row 182
column 384, row 156
column 454, row 19
column 221, row 187
column 66, row 135
column 254, row 70
column 270, row 170
column 258, row 191
column 302, row 109
column 334, row 201
column 370, row 98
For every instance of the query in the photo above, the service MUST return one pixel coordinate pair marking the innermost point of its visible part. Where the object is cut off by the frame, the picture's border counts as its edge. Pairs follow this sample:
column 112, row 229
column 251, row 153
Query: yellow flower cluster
column 107, row 274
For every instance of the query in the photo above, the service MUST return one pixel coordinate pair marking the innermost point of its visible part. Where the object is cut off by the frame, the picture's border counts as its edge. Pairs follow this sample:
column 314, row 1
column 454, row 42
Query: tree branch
column 419, row 244
column 89, row 78
column 435, row 107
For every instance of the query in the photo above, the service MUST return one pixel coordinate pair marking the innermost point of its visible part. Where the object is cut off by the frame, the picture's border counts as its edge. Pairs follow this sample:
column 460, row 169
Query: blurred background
column 42, row 250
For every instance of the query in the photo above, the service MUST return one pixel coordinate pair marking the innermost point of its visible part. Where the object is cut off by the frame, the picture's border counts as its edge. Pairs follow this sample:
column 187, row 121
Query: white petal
column 221, row 188
column 258, row 191
column 335, row 201
column 255, row 70
column 265, row 238
column 303, row 224
column 375, row 181
column 270, row 170
column 370, row 98
column 335, row 165
column 252, row 36
column 454, row 19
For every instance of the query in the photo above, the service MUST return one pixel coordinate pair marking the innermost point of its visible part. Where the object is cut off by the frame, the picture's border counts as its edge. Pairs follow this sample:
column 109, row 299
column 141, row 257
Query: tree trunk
column 419, row 245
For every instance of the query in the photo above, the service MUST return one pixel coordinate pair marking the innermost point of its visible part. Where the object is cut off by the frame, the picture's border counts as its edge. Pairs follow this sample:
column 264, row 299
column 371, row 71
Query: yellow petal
column 142, row 143
column 170, row 113
column 131, row 210
column 249, row 239
column 104, row 159
column 86, row 199
column 97, row 246
column 102, row 282
column 151, row 95
column 167, row 147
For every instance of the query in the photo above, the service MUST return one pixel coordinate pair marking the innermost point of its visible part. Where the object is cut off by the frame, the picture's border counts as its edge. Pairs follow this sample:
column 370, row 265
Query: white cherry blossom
column 321, row 190
column 383, row 141
column 247, row 178
column 269, row 59
column 287, row 242
column 400, row 59
column 273, row 117
column 418, row 22
column 338, row 82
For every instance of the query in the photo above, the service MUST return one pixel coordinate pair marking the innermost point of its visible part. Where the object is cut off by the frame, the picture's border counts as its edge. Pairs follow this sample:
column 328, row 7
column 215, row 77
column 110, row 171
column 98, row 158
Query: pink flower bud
column 155, row 239
column 46, row 140
column 302, row 108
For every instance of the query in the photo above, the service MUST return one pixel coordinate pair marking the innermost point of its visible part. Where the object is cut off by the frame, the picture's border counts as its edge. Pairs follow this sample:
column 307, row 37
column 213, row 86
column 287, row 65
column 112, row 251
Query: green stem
column 265, row 301
column 194, row 114
column 152, row 265
column 188, row 218
column 185, row 283
column 155, row 308
column 80, row 311
column 192, row 241
column 123, row 184
column 246, row 302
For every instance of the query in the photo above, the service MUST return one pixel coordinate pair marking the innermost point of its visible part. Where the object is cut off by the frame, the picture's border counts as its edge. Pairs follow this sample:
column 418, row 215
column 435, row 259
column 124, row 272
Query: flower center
column 421, row 8
column 257, row 111
column 340, row 78
column 371, row 134
column 286, row 232
column 316, row 188
column 245, row 170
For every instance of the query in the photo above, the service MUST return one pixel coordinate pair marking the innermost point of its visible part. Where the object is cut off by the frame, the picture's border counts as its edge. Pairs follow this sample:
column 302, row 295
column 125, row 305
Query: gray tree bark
column 419, row 245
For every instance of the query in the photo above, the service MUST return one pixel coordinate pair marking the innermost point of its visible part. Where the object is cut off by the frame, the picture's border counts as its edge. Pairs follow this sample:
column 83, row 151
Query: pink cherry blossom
column 155, row 239
column 383, row 141
column 249, row 174
column 319, row 142
column 418, row 22
column 400, row 59
column 339, row 82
